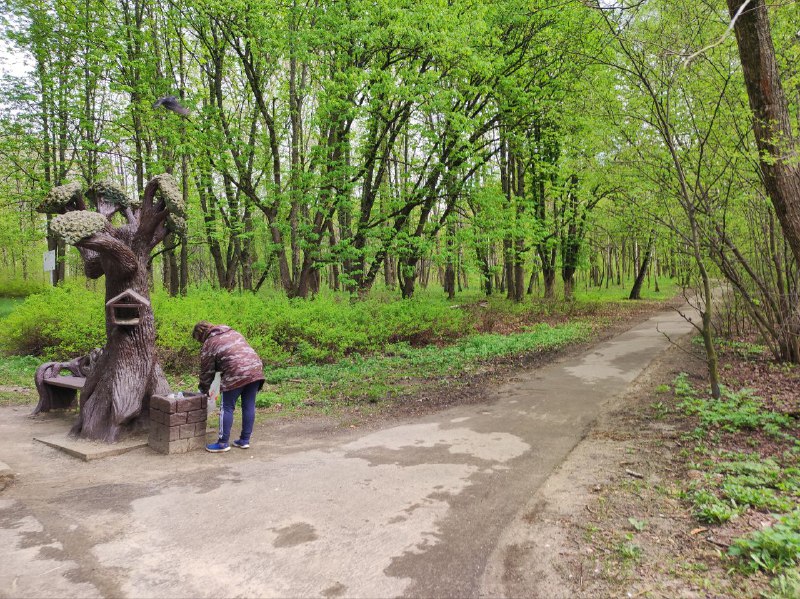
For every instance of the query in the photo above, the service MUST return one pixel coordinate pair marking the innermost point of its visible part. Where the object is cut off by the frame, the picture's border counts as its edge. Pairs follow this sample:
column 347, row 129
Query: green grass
column 7, row 305
column 668, row 288
column 405, row 369
column 16, row 379
column 18, row 370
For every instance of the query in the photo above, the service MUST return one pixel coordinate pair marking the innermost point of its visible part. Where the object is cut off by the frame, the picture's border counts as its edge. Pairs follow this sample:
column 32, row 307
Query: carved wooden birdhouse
column 127, row 308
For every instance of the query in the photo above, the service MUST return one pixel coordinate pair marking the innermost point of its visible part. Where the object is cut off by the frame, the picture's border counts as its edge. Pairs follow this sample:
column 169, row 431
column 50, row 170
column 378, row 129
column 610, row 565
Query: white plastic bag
column 214, row 395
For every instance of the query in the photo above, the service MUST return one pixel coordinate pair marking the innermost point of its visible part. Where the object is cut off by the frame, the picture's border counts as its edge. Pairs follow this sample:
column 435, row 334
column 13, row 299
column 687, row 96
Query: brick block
column 167, row 447
column 166, row 434
column 158, row 417
column 200, row 429
column 163, row 404
column 159, row 446
column 197, row 443
column 188, row 431
column 196, row 416
column 176, row 419
column 188, row 404
column 179, row 446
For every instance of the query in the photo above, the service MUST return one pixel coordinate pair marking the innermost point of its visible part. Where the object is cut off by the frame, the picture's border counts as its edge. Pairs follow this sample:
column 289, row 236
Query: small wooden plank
column 68, row 382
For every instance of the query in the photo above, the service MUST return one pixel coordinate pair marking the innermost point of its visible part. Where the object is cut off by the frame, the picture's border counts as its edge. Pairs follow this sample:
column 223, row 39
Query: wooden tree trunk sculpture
column 116, row 395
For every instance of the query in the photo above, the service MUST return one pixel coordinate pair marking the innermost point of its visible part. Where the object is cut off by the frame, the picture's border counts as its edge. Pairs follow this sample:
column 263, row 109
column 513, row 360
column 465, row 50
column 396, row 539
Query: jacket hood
column 216, row 330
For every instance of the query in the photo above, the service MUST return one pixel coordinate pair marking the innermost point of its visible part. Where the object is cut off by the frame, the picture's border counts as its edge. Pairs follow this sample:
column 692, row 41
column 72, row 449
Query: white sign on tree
column 49, row 260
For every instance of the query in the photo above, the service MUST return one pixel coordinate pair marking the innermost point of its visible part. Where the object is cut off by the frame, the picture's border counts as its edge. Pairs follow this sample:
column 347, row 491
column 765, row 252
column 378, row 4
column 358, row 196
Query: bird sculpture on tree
column 171, row 103
column 116, row 394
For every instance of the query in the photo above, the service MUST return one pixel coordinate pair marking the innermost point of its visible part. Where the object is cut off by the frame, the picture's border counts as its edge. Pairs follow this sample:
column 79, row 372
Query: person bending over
column 226, row 351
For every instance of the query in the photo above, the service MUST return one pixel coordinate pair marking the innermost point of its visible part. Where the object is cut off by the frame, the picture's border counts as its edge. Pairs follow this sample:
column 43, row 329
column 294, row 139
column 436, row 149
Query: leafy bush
column 68, row 321
column 20, row 287
column 60, row 323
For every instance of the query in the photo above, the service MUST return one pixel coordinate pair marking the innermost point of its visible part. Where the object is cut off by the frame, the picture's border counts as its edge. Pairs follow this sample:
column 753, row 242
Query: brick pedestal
column 177, row 425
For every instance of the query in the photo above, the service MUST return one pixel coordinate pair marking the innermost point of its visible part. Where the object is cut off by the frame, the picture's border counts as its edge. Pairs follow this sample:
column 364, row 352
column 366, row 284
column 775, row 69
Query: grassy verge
column 329, row 352
column 714, row 509
column 404, row 370
column 16, row 380
column 747, row 460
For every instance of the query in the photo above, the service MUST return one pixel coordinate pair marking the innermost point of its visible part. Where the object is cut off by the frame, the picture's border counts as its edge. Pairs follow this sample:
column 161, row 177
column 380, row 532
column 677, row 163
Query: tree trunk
column 549, row 276
column 449, row 269
column 116, row 396
column 772, row 123
column 636, row 291
column 508, row 268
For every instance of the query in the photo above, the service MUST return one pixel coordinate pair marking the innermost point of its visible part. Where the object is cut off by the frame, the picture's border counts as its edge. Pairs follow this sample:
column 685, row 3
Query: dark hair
column 201, row 330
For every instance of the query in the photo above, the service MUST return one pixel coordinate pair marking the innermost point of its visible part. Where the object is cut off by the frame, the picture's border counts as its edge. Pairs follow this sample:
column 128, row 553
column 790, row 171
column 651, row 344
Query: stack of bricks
column 177, row 424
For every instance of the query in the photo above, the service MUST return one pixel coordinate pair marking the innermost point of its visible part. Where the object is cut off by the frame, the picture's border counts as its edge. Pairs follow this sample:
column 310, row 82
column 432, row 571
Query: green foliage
column 734, row 411
column 785, row 585
column 710, row 509
column 7, row 306
column 325, row 329
column 60, row 323
column 69, row 321
column 629, row 551
column 20, row 287
column 771, row 549
column 638, row 525
column 735, row 482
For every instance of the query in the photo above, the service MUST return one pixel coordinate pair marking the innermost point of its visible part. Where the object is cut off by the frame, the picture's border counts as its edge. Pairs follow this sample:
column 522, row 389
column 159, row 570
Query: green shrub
column 60, row 323
column 68, row 321
column 20, row 287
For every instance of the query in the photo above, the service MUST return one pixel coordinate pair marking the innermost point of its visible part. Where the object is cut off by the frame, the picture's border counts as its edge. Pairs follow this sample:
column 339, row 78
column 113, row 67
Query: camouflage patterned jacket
column 226, row 351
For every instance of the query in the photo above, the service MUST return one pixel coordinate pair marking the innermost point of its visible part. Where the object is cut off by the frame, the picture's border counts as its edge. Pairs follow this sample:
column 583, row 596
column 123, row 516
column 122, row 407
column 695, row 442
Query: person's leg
column 248, row 410
column 228, row 405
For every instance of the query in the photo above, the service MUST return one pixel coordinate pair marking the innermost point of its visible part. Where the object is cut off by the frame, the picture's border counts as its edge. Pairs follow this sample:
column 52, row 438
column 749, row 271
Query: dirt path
column 439, row 505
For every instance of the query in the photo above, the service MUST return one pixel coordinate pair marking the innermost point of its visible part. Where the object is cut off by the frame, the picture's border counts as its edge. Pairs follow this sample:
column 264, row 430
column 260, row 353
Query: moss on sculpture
column 110, row 193
column 173, row 198
column 74, row 226
column 60, row 198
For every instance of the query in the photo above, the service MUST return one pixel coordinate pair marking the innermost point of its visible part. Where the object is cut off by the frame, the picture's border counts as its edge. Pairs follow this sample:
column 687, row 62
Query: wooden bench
column 57, row 391
column 66, row 382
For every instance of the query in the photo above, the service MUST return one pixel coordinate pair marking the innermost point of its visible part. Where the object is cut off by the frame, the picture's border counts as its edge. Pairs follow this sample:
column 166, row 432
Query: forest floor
column 616, row 518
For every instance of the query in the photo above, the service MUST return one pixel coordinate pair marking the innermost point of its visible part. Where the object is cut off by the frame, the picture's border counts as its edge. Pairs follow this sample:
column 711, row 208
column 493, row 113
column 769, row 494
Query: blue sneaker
column 218, row 447
column 241, row 444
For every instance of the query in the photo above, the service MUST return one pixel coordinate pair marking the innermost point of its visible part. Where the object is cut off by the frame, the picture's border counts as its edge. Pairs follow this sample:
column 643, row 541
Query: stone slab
column 91, row 450
column 6, row 475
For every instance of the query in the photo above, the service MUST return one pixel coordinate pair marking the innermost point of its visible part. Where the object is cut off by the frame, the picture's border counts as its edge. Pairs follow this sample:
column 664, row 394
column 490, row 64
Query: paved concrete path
column 416, row 509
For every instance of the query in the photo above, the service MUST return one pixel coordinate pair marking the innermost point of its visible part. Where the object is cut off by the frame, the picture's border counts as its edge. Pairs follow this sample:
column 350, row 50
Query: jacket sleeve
column 208, row 367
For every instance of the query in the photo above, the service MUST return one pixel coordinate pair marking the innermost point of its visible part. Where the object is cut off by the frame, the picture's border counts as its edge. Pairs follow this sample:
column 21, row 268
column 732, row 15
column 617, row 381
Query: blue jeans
column 248, row 393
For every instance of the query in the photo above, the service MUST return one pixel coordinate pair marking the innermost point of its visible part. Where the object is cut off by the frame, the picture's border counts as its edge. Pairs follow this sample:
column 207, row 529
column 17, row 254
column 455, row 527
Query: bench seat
column 67, row 382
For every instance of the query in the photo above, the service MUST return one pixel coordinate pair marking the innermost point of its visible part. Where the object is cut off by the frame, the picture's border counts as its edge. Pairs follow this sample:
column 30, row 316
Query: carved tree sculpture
column 116, row 395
